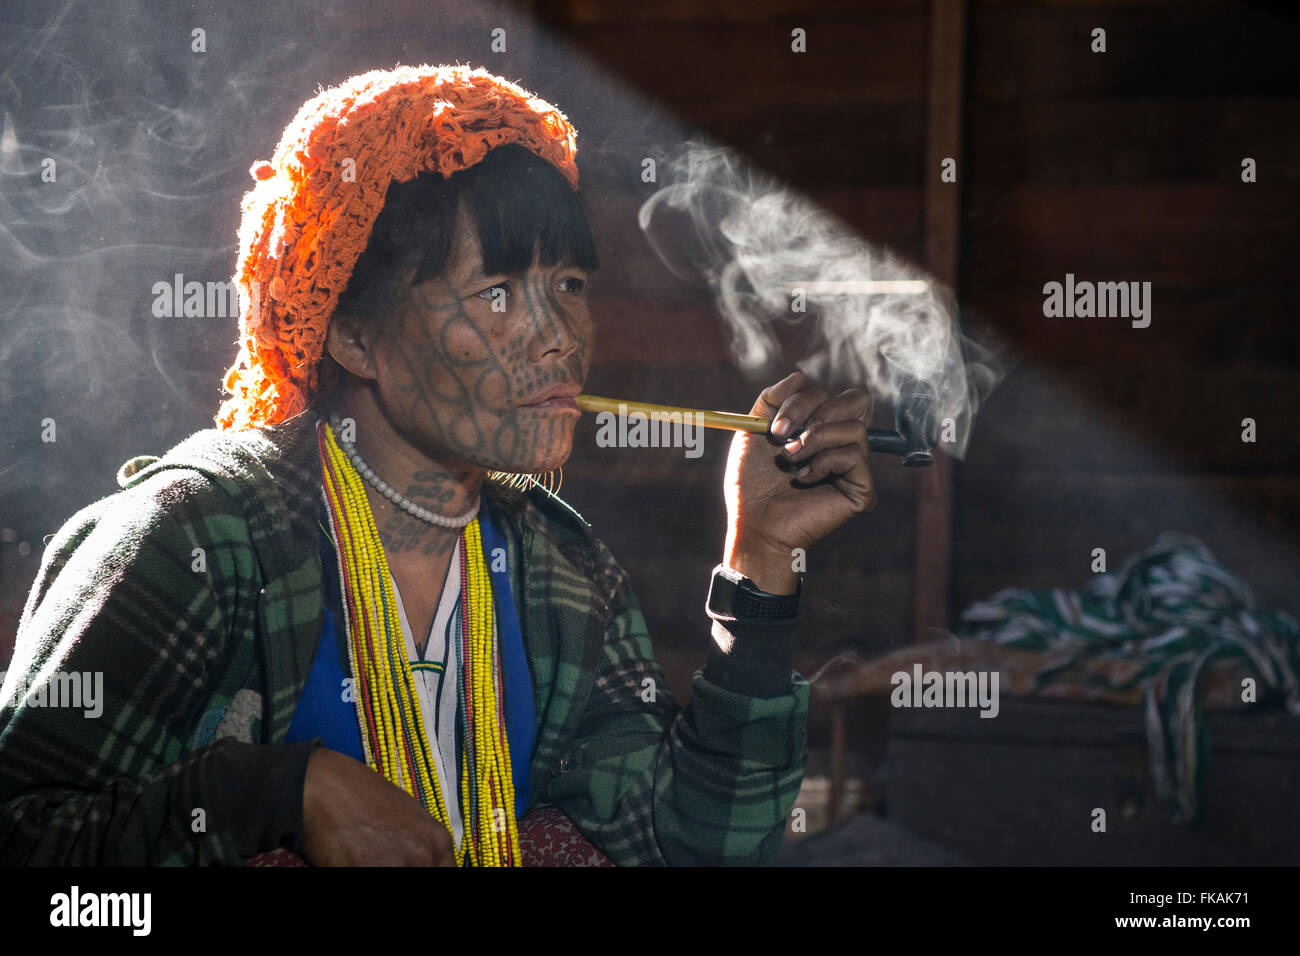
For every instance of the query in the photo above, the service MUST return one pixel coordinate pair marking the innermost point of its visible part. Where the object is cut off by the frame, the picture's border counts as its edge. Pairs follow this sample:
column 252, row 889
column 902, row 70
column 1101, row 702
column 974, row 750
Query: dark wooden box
column 1020, row 788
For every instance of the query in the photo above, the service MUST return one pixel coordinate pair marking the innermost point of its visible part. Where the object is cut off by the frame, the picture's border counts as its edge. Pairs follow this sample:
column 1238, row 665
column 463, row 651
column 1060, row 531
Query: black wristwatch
column 732, row 595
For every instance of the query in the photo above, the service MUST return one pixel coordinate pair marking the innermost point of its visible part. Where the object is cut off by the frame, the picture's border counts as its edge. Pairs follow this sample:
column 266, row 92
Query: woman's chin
column 558, row 454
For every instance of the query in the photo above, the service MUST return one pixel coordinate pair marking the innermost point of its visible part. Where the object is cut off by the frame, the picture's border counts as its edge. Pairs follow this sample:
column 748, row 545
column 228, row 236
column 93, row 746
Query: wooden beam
column 942, row 243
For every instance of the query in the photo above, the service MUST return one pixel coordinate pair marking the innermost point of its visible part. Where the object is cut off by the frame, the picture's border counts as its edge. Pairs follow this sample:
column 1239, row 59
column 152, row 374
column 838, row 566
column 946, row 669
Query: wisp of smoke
column 772, row 256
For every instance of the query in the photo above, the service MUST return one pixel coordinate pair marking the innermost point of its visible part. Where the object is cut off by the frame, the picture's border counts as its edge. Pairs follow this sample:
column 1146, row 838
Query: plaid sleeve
column 123, row 612
column 654, row 784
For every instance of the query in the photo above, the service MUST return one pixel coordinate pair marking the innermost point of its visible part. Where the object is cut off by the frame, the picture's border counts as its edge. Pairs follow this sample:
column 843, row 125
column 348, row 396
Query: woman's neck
column 444, row 487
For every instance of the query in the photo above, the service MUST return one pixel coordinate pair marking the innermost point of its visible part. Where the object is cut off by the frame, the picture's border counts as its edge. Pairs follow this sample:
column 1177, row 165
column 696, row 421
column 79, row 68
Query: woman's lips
column 558, row 401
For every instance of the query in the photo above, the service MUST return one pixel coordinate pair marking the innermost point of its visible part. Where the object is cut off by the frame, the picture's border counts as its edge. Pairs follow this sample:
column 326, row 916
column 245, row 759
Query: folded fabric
column 1172, row 609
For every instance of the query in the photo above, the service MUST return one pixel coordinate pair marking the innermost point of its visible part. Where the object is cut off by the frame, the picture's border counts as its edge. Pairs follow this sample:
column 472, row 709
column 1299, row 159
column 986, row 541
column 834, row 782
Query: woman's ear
column 351, row 344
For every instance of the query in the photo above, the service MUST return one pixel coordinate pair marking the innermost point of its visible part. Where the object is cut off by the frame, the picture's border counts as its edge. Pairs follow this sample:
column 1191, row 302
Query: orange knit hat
column 309, row 217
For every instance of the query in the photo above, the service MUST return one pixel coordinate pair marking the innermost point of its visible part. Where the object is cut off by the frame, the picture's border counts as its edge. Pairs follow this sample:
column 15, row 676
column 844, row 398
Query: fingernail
column 793, row 445
column 780, row 427
column 803, row 472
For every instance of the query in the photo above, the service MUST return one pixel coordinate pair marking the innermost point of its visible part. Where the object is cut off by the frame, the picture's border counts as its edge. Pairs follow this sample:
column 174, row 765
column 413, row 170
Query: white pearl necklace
column 392, row 494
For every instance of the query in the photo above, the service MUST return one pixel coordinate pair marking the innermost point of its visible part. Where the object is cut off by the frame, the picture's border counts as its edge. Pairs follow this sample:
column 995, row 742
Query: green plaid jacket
column 204, row 656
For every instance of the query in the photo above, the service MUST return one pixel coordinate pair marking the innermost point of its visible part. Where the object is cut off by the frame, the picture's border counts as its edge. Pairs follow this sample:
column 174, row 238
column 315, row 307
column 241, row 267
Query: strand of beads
column 391, row 493
column 494, row 797
column 393, row 734
column 394, row 738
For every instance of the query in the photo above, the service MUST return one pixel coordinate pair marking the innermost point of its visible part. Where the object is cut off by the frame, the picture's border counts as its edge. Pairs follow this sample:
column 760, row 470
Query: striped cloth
column 1173, row 609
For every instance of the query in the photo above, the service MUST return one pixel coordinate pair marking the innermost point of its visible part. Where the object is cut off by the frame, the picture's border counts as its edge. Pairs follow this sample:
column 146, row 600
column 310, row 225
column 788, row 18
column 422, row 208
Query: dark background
column 1117, row 166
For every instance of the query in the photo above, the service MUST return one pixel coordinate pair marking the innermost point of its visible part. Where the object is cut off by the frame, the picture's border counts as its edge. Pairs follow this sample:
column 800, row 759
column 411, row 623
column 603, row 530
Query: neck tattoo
column 391, row 493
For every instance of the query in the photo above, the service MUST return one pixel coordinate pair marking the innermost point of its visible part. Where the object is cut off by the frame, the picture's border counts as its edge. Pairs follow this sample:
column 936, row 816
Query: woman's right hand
column 352, row 816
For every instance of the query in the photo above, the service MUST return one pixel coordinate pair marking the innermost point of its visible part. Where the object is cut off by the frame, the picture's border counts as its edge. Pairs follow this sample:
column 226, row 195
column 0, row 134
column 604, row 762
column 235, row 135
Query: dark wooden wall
column 1127, row 166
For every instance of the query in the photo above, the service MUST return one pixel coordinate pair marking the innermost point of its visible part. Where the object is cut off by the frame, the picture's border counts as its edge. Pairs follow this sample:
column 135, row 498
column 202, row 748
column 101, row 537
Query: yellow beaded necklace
column 392, row 728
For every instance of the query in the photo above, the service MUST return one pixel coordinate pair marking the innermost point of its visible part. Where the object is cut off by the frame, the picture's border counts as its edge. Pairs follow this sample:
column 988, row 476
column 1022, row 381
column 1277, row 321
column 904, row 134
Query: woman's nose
column 555, row 325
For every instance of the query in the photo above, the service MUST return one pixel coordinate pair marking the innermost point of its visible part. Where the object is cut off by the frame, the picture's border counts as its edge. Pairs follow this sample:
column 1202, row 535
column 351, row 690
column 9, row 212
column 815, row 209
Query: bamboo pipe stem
column 709, row 419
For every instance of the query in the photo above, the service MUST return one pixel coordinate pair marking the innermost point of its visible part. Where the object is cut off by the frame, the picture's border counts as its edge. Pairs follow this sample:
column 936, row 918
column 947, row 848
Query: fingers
column 771, row 398
column 791, row 402
column 852, row 404
column 837, row 450
column 800, row 410
column 816, row 438
column 795, row 404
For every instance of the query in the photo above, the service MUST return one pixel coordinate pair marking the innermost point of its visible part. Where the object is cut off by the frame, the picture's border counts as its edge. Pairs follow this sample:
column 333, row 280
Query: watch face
column 722, row 592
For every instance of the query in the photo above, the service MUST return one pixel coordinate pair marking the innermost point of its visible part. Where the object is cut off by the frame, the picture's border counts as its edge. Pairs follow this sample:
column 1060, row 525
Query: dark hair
column 521, row 206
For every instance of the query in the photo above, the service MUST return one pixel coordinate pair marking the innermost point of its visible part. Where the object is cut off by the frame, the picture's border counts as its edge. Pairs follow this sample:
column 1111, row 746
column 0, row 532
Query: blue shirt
column 322, row 712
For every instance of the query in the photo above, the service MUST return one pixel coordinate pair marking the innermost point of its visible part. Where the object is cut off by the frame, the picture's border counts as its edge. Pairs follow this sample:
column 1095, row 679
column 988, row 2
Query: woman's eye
column 496, row 292
column 575, row 285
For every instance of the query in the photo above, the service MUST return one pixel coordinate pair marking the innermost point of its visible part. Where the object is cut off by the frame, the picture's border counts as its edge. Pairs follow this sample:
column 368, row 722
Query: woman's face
column 469, row 356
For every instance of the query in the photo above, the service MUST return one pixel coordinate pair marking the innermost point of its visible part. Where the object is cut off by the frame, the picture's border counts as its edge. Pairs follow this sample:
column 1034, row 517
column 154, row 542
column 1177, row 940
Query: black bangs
column 519, row 203
column 521, row 207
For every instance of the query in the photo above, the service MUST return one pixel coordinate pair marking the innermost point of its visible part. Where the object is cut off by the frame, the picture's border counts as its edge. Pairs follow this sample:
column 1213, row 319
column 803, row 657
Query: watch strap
column 734, row 596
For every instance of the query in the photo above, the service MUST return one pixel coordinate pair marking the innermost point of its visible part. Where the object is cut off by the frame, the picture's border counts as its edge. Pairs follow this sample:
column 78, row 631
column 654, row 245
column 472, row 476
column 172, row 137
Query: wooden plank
column 1169, row 234
column 1140, row 420
column 1073, row 142
column 1021, row 789
column 942, row 223
column 1100, row 5
column 1247, row 326
column 849, row 59
column 573, row 12
column 837, row 760
column 944, row 137
column 1028, row 52
column 889, row 216
column 381, row 33
column 873, row 211
column 1023, row 720
column 1043, row 721
column 1122, row 514
column 822, row 145
column 1011, row 804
